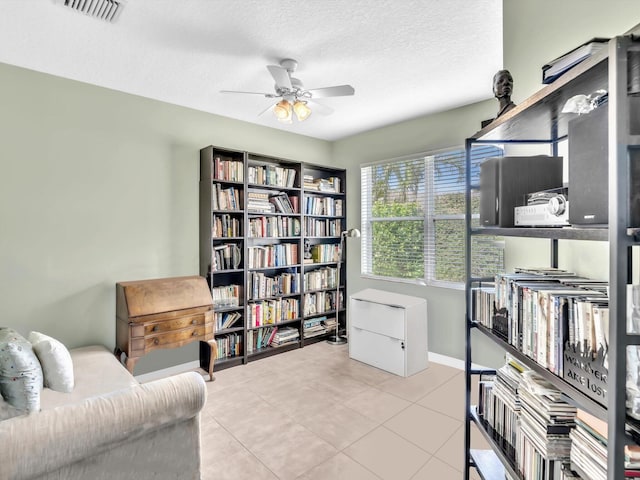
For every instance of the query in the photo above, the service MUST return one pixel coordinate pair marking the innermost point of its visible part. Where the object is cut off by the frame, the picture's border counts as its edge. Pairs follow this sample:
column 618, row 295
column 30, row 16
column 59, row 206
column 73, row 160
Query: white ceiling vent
column 107, row 10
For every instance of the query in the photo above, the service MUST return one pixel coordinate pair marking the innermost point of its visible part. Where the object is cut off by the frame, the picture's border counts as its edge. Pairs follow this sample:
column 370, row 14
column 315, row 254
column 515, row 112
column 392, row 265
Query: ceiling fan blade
column 270, row 107
column 268, row 95
column 281, row 76
column 319, row 107
column 337, row 91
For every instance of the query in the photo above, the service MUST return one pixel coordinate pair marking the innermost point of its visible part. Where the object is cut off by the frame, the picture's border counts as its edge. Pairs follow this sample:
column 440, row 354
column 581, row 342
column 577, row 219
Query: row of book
column 279, row 255
column 225, row 198
column 260, row 285
column 320, row 278
column 226, row 256
column 542, row 436
column 226, row 295
column 271, row 337
column 315, row 227
column 325, row 252
column 259, row 339
column 541, row 312
column 319, row 205
column 229, row 345
column 272, row 175
column 224, row 320
column 271, row 312
column 227, row 169
column 320, row 302
column 274, row 227
column 226, row 226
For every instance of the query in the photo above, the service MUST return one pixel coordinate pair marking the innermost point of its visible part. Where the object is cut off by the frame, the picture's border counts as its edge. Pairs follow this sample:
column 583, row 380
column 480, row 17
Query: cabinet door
column 378, row 318
column 381, row 351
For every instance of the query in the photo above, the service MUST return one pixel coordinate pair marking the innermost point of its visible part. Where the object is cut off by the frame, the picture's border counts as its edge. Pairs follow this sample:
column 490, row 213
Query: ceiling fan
column 295, row 98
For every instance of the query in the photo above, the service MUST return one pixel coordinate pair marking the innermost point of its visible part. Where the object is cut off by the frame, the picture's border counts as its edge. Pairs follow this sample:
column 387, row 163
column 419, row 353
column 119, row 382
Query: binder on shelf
column 558, row 66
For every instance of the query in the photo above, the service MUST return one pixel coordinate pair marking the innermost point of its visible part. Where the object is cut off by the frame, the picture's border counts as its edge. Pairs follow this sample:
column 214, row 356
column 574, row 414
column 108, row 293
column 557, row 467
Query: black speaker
column 589, row 168
column 505, row 182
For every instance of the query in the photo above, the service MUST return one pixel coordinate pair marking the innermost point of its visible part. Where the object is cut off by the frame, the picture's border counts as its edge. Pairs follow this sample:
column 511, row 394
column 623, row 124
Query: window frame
column 429, row 220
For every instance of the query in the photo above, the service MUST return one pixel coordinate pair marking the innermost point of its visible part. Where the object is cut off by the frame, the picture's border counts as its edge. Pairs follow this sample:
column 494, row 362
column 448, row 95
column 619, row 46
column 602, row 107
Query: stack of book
column 285, row 335
column 314, row 327
column 258, row 202
column 589, row 446
column 546, row 420
column 330, row 185
column 330, row 324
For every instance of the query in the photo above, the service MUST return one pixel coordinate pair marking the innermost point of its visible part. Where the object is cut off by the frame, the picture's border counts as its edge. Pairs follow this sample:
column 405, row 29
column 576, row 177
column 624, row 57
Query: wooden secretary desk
column 163, row 313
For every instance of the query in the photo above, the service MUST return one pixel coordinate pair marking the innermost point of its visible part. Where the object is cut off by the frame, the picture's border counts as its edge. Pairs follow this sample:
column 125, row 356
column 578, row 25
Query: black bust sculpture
column 502, row 89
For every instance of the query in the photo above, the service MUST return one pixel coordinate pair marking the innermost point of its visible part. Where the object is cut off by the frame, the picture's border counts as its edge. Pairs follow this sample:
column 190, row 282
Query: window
column 413, row 225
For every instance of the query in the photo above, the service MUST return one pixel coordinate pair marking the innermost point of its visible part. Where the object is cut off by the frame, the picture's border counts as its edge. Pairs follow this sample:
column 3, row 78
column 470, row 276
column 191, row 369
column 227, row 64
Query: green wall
column 97, row 187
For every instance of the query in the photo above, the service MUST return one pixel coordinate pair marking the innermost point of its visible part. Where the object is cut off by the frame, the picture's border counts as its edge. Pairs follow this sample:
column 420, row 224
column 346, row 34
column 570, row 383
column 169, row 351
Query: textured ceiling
column 404, row 58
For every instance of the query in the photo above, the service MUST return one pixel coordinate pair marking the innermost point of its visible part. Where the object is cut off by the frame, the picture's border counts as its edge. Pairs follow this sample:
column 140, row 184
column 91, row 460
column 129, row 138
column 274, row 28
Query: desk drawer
column 377, row 350
column 378, row 318
column 171, row 339
column 171, row 325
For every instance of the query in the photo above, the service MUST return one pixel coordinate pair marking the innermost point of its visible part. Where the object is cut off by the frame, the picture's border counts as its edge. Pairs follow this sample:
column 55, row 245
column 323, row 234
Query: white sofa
column 109, row 427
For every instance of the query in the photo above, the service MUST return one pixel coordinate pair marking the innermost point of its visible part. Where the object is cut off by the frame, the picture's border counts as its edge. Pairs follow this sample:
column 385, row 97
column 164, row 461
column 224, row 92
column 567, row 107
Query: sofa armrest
column 44, row 442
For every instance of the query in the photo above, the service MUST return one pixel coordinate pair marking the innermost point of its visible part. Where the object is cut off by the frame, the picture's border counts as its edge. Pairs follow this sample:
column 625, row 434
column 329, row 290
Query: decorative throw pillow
column 20, row 372
column 56, row 362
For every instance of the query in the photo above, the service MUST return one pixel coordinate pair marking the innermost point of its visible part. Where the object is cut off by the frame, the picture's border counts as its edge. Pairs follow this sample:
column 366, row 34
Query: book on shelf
column 560, row 65
column 282, row 203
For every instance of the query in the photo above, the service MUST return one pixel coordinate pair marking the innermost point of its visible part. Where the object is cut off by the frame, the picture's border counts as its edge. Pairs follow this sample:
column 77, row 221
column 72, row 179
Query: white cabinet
column 388, row 331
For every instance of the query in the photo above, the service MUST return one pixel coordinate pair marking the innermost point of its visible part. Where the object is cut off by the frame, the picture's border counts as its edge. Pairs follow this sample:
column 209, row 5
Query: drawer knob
column 194, row 333
column 194, row 322
column 156, row 341
column 155, row 328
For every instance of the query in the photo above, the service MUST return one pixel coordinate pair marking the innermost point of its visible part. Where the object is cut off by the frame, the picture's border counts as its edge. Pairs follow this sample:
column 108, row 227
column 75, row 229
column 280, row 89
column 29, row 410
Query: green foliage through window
column 413, row 219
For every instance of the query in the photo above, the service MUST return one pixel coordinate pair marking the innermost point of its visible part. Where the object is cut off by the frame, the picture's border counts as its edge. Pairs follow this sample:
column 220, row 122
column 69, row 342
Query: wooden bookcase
column 540, row 120
column 260, row 217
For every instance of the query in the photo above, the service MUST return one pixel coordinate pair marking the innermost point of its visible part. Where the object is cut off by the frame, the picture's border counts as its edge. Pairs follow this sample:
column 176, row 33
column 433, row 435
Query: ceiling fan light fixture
column 282, row 111
column 301, row 110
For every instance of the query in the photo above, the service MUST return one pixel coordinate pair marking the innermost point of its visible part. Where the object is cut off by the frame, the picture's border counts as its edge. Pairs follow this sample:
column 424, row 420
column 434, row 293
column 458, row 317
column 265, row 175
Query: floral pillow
column 20, row 372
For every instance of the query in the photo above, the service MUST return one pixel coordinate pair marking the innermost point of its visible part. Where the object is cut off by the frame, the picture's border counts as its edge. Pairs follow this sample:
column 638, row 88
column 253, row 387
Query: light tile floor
column 315, row 414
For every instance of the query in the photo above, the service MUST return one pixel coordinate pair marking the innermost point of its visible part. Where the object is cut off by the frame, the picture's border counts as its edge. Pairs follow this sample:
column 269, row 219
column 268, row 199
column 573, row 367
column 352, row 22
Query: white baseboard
column 186, row 367
column 167, row 372
column 452, row 362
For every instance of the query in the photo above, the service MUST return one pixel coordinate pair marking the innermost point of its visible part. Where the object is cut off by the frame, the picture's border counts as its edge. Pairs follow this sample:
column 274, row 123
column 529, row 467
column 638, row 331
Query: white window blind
column 413, row 224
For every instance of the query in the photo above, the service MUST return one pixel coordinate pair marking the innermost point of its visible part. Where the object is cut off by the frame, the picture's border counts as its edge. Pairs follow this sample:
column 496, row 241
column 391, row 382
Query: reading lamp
column 337, row 339
column 283, row 111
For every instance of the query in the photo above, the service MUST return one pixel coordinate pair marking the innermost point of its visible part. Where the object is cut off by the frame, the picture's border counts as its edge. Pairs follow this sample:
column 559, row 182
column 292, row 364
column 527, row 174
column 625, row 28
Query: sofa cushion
column 57, row 367
column 96, row 372
column 7, row 410
column 20, row 372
